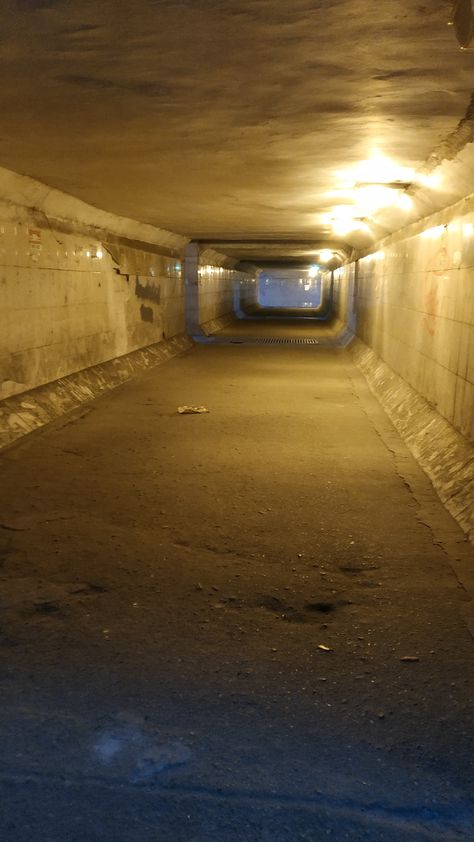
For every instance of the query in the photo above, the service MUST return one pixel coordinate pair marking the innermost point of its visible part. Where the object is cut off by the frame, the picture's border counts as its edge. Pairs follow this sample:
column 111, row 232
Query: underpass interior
column 237, row 422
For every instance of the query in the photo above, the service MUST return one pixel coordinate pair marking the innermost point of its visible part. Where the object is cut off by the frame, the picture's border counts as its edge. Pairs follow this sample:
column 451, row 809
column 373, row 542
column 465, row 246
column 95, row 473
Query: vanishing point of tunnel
column 237, row 421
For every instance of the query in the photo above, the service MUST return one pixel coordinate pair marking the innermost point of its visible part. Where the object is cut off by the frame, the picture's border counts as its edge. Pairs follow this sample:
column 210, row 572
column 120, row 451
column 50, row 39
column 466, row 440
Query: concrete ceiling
column 225, row 120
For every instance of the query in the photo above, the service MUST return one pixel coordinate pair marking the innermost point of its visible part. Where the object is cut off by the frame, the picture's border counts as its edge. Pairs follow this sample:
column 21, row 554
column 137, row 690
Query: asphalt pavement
column 241, row 624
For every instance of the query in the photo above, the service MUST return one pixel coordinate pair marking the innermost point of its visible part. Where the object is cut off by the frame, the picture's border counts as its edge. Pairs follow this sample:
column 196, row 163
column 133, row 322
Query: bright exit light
column 313, row 271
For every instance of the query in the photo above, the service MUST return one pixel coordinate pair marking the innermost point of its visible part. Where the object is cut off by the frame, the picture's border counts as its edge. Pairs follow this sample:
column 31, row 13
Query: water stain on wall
column 147, row 290
column 146, row 313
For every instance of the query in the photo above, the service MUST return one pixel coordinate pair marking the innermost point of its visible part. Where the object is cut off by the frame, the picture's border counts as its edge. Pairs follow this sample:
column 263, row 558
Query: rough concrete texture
column 22, row 414
column 246, row 625
column 74, row 299
column 415, row 309
column 25, row 194
column 216, row 292
column 445, row 455
column 224, row 118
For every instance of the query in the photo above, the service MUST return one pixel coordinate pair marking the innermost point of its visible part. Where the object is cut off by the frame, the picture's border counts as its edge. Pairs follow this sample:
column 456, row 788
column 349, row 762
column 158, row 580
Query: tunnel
column 237, row 421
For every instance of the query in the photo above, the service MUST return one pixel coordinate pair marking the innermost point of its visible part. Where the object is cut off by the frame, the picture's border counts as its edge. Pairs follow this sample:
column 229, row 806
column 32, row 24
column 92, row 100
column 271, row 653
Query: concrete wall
column 246, row 294
column 343, row 292
column 216, row 292
column 213, row 289
column 70, row 301
column 78, row 286
column 415, row 309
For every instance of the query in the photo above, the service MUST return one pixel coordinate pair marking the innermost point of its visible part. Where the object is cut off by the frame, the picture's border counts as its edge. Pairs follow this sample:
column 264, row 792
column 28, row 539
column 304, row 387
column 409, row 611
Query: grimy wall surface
column 410, row 305
column 70, row 302
column 219, row 291
column 415, row 309
column 79, row 286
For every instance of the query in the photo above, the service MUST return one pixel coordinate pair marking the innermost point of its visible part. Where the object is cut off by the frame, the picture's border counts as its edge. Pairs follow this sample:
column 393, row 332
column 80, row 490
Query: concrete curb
column 443, row 453
column 28, row 411
column 215, row 325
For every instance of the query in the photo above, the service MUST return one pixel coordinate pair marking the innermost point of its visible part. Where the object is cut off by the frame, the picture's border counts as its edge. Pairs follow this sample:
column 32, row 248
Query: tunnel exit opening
column 300, row 288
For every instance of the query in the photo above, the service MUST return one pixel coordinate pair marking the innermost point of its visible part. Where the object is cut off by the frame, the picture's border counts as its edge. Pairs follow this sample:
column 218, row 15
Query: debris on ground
column 192, row 410
column 409, row 659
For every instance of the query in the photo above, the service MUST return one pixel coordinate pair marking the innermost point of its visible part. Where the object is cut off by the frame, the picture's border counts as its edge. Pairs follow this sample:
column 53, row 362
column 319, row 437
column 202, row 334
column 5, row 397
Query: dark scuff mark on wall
column 148, row 291
column 454, row 142
column 146, row 313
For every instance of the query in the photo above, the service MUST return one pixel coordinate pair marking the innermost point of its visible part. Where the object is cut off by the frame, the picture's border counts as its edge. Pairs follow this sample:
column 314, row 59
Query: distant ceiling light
column 463, row 22
column 468, row 229
column 325, row 255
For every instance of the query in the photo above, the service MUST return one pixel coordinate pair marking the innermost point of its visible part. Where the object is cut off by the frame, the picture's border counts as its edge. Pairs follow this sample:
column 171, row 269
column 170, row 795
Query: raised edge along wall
column 412, row 308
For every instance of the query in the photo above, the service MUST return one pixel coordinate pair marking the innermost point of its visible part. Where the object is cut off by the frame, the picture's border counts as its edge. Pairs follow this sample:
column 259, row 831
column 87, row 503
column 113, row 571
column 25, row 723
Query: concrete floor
column 279, row 327
column 205, row 617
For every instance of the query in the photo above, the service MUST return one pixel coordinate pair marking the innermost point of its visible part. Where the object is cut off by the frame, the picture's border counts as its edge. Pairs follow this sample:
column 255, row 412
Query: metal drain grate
column 274, row 341
column 290, row 341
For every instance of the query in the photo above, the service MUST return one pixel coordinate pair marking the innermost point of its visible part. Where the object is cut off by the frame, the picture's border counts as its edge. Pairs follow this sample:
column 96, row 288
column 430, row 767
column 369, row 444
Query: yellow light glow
column 404, row 202
column 374, row 197
column 432, row 179
column 344, row 219
column 325, row 255
column 377, row 168
column 434, row 233
column 468, row 229
column 342, row 227
column 343, row 212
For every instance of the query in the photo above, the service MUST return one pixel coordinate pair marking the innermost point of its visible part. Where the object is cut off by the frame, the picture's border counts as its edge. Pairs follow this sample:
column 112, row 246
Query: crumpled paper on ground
column 192, row 410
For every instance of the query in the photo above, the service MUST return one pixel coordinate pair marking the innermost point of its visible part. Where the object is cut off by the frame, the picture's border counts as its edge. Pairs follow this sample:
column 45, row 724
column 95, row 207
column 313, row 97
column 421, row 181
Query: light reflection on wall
column 290, row 288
